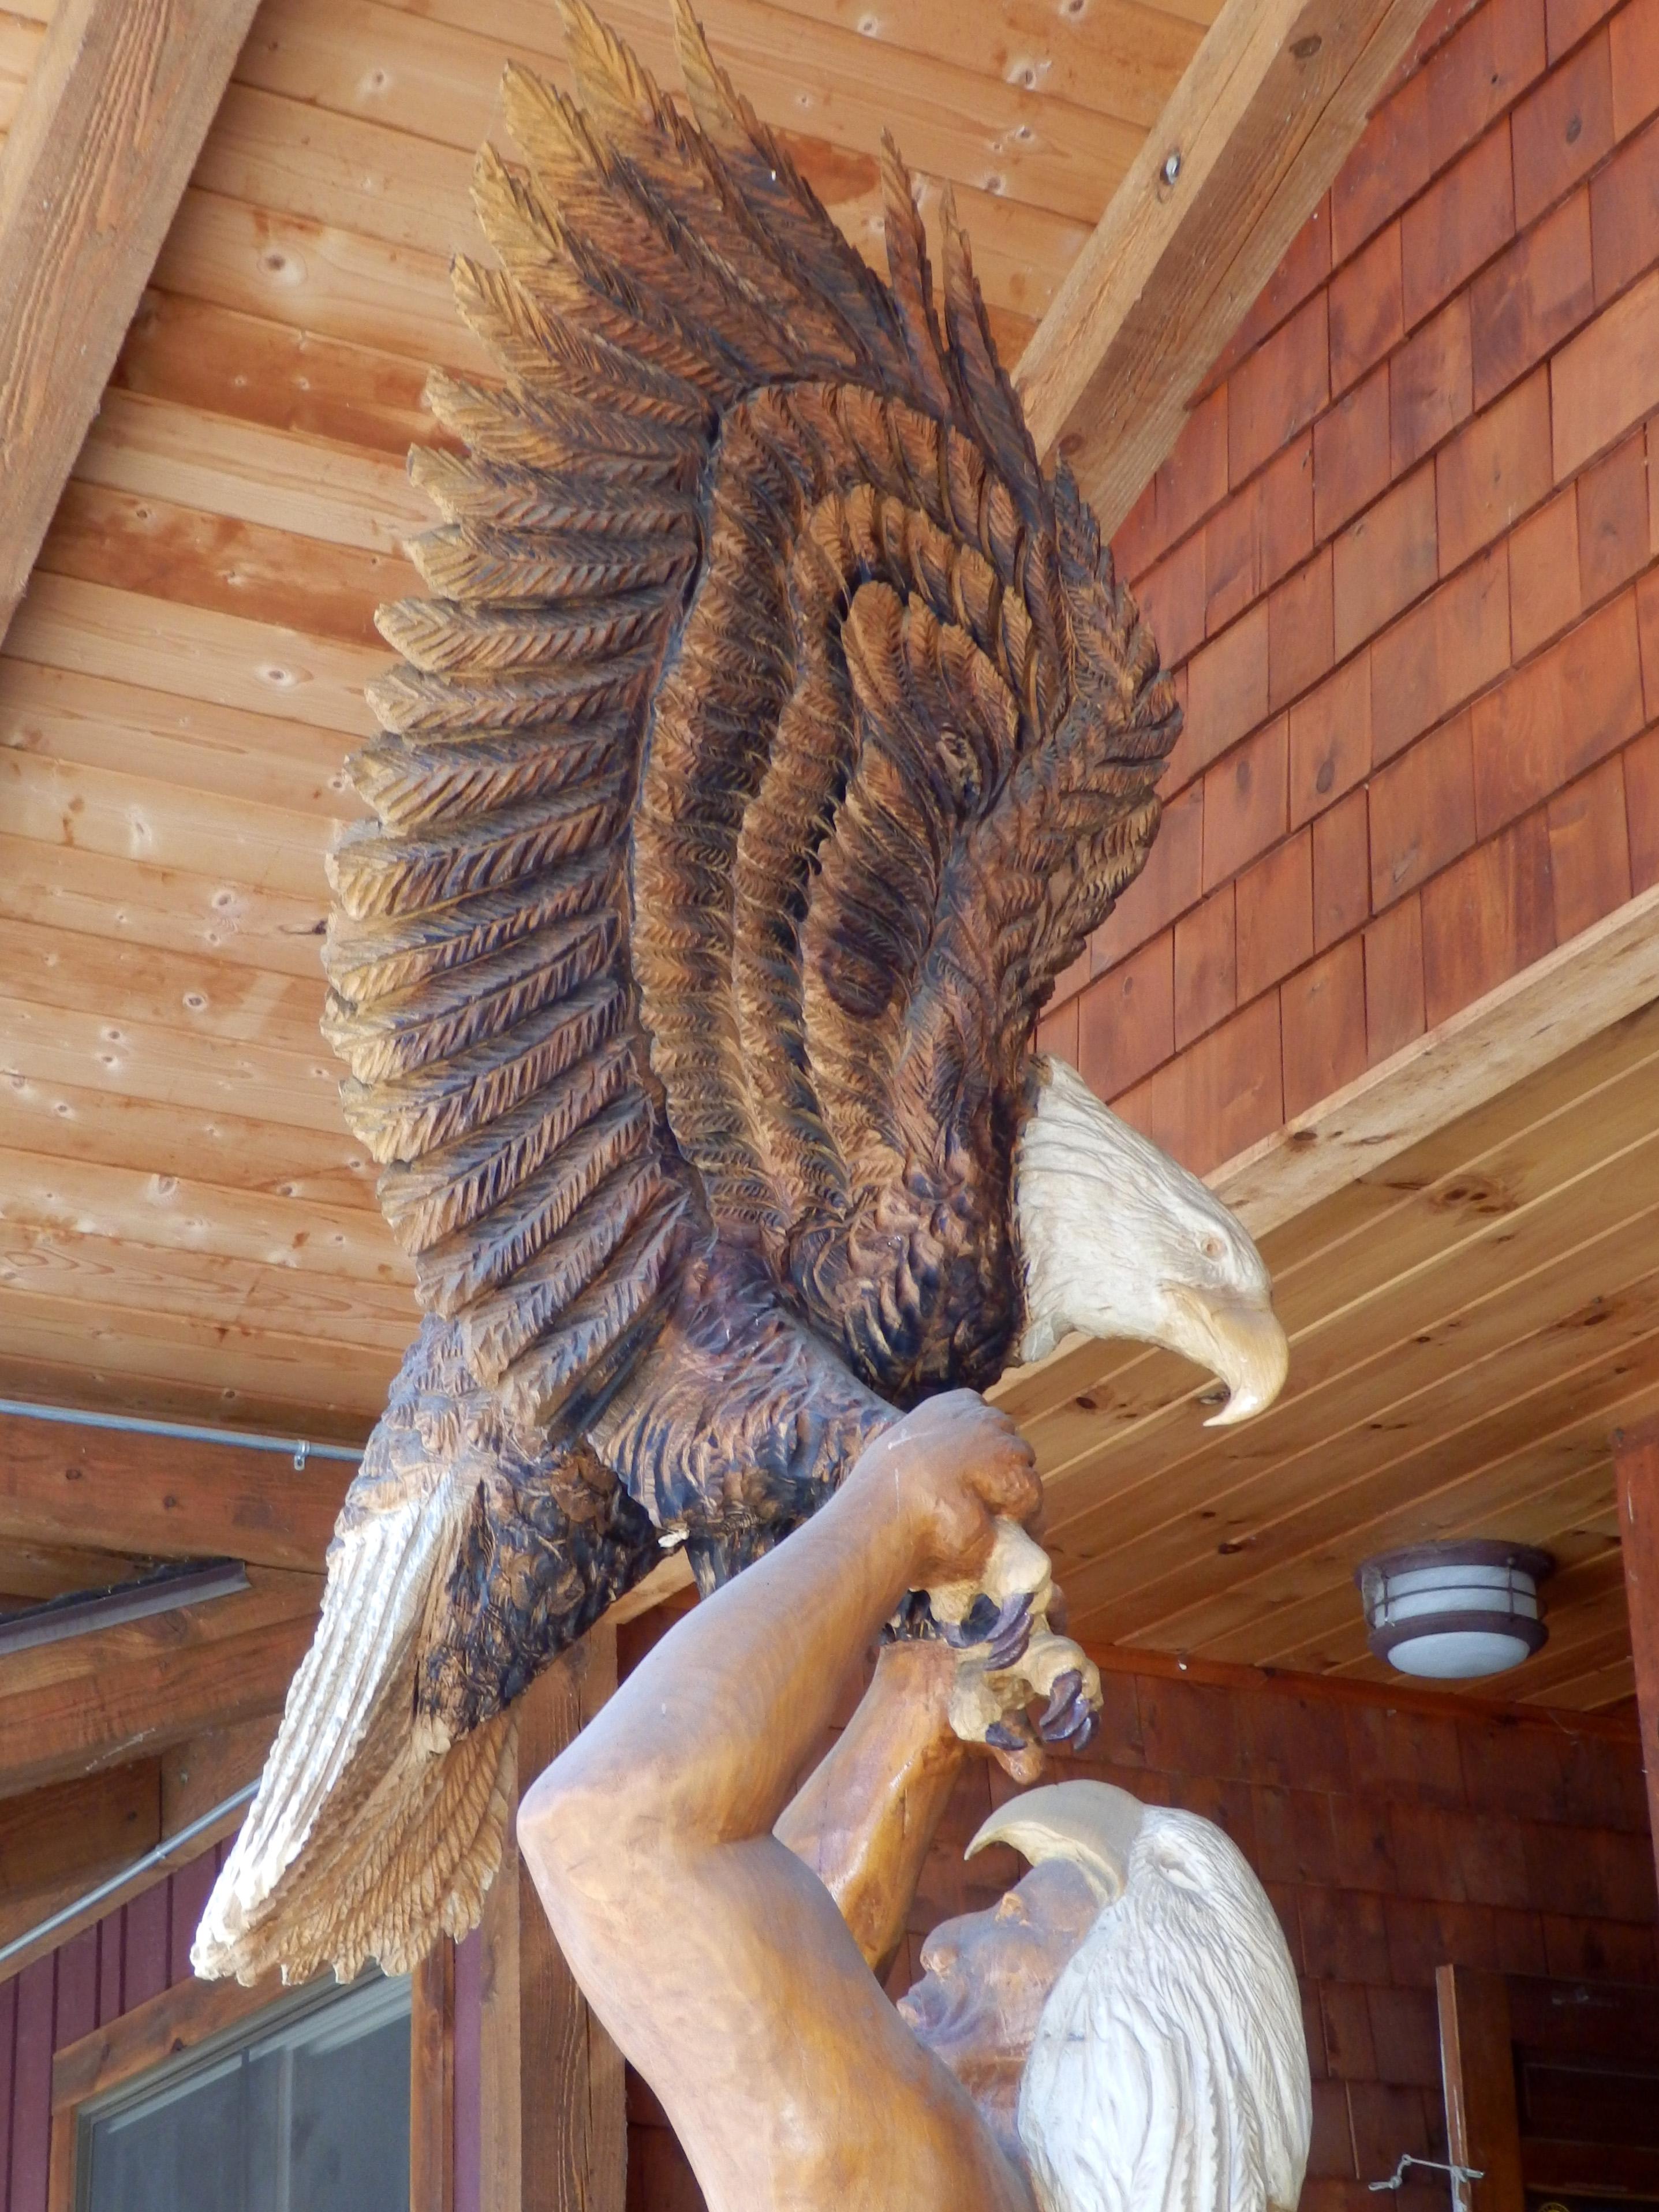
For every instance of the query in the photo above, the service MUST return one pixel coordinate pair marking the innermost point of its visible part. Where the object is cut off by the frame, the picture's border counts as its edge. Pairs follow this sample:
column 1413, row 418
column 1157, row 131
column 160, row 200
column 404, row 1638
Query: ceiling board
column 1468, row 1325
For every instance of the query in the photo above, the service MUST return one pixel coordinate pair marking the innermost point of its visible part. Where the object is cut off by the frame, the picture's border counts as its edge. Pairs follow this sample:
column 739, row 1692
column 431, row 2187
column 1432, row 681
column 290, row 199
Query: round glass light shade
column 1456, row 1611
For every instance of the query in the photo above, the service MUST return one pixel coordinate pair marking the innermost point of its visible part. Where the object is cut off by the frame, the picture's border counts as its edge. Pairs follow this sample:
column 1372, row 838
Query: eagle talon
column 1009, row 1734
column 1062, row 1706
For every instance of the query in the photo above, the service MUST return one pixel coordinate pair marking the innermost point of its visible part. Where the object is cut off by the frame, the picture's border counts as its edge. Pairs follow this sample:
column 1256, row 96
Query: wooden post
column 1636, row 1458
column 1483, row 2126
column 432, row 2082
column 553, row 2129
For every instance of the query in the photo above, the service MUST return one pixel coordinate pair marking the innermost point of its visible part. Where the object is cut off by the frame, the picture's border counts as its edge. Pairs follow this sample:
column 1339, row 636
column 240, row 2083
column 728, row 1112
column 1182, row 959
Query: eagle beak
column 1241, row 1342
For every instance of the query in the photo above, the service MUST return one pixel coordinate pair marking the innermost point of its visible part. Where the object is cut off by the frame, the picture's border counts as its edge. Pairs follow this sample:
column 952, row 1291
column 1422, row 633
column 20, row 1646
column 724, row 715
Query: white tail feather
column 348, row 1783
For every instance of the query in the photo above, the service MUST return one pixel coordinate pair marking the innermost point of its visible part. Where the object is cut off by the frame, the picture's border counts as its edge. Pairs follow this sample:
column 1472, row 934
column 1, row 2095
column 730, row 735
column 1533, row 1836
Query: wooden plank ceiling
column 186, row 1228
column 1468, row 1325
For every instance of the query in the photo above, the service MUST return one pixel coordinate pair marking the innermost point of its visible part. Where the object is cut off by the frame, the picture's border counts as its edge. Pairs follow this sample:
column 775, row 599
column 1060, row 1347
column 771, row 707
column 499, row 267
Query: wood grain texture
column 1478, row 2064
column 56, row 1843
column 190, row 1781
column 553, row 2123
column 175, row 2019
column 98, row 1700
column 432, row 2082
column 1636, row 1456
column 1597, row 978
column 1259, row 124
column 165, row 1496
column 110, row 124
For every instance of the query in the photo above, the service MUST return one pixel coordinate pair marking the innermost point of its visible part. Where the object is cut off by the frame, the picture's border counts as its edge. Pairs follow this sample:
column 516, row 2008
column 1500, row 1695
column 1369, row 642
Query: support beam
column 1477, row 2064
column 163, row 1497
column 1635, row 1461
column 56, row 1844
column 1599, row 977
column 74, row 1709
column 432, row 2081
column 553, row 2127
column 96, row 162
column 1269, row 107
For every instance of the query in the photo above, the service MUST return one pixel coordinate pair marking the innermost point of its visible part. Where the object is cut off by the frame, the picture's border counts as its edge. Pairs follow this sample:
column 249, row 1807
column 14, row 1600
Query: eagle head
column 1117, row 1240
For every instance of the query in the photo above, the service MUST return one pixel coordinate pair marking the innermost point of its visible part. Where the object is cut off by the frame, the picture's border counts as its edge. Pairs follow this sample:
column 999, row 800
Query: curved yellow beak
column 1243, row 1344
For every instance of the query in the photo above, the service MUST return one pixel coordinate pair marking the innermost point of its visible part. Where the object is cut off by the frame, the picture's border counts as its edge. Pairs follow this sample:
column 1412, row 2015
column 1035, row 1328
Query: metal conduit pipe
column 67, row 1915
column 186, row 1432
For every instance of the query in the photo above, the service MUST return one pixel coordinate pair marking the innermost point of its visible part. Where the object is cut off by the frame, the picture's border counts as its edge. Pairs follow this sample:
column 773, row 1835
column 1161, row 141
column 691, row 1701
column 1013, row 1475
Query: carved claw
column 1062, row 1699
column 988, row 1700
column 1017, row 1567
column 1004, row 1633
column 1013, row 1733
column 1070, row 1718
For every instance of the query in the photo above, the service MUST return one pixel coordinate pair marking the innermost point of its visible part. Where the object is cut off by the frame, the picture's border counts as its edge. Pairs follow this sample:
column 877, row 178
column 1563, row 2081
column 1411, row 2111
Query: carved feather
column 776, row 734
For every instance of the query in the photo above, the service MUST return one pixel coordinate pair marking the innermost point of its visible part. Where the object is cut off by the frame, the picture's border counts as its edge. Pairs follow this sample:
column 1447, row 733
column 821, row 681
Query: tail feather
column 344, row 1777
column 468, row 1554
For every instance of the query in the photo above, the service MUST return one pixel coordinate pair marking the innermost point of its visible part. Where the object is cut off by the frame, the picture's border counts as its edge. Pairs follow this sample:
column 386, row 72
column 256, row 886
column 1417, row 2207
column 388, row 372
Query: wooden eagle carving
column 775, row 734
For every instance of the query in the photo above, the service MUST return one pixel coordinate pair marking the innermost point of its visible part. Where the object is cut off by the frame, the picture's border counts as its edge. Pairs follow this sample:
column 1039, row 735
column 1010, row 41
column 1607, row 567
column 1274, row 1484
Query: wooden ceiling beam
column 103, row 1700
column 164, row 1497
column 1267, row 110
column 112, row 118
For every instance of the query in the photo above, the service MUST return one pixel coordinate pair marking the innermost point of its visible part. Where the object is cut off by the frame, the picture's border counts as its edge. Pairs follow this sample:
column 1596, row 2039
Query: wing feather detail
column 776, row 733
column 381, row 1816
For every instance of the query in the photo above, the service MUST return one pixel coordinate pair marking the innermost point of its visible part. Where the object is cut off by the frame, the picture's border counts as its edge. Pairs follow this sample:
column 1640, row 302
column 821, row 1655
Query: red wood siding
column 1403, row 561
column 1391, row 1839
column 133, row 1955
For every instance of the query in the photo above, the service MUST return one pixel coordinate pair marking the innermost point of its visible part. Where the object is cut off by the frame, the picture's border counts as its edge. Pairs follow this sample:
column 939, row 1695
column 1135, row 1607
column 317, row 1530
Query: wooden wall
column 1404, row 559
column 1394, row 1833
column 1391, row 1834
column 127, row 1959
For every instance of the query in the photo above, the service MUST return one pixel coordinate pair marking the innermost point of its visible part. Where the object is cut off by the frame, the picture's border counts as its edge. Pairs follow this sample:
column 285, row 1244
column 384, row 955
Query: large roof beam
column 96, row 162
column 1260, row 123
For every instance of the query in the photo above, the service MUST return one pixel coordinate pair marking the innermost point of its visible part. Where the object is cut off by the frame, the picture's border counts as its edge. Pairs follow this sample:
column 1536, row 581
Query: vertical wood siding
column 133, row 1955
column 1405, row 561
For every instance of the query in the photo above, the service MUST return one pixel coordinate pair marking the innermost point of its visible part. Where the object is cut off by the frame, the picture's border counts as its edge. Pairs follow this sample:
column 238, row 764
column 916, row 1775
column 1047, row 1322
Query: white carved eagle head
column 1169, row 2071
column 1118, row 1240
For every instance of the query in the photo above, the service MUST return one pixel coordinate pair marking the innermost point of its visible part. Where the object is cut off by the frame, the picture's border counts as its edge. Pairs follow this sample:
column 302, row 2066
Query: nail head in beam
column 1268, row 109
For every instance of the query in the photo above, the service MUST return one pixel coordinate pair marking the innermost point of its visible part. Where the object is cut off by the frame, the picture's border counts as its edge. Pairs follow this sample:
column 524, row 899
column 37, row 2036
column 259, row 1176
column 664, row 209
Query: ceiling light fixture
column 1455, row 1611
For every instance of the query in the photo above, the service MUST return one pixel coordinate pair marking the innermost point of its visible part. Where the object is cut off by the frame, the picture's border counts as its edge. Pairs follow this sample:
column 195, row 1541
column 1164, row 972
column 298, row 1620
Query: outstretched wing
column 467, row 1554
column 774, row 735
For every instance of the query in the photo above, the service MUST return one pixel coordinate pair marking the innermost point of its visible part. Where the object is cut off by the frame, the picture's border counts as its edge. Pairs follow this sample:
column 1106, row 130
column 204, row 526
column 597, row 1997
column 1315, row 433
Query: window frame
column 189, row 2017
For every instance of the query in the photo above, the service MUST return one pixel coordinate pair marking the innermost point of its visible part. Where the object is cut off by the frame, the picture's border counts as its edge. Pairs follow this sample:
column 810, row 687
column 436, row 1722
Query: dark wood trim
column 164, row 1798
column 1636, row 1463
column 553, row 2127
column 178, row 2019
column 1483, row 2126
column 432, row 2082
column 111, row 120
column 83, row 1612
column 107, row 1698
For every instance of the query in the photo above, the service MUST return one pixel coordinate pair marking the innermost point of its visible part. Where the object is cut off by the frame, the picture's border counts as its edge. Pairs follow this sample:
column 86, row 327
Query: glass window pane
column 303, row 2109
